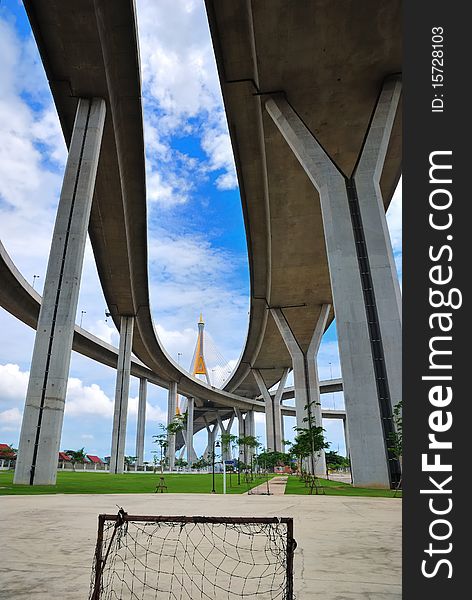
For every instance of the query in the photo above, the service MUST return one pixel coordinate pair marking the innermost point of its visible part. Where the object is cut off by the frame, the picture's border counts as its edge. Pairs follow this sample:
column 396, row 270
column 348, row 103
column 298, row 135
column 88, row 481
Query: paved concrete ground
column 276, row 487
column 348, row 548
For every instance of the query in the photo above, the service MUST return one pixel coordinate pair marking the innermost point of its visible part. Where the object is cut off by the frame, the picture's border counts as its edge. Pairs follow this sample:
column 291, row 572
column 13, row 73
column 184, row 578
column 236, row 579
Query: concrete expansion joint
column 282, row 306
column 273, row 93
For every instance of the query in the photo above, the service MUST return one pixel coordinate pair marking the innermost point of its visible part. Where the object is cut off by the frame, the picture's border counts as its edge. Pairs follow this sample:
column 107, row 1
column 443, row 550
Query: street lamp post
column 239, row 467
column 215, row 445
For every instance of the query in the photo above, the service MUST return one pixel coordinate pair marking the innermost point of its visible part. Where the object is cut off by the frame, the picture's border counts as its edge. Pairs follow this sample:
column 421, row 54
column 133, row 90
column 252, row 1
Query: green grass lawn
column 130, row 483
column 335, row 488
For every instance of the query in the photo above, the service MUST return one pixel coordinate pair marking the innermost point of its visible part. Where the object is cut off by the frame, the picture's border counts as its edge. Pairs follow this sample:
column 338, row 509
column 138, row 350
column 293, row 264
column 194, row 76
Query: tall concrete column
column 250, row 430
column 212, row 433
column 273, row 411
column 45, row 398
column 191, row 456
column 305, row 374
column 383, row 274
column 363, row 281
column 242, row 421
column 225, row 452
column 141, row 425
column 346, row 438
column 171, row 409
column 283, row 428
column 120, row 417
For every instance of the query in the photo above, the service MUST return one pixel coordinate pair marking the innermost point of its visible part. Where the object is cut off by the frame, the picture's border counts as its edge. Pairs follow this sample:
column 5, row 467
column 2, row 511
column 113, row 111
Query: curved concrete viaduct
column 311, row 91
column 314, row 132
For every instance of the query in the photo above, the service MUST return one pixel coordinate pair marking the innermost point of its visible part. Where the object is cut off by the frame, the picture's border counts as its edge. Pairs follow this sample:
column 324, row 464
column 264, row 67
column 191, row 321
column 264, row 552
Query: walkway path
column 276, row 487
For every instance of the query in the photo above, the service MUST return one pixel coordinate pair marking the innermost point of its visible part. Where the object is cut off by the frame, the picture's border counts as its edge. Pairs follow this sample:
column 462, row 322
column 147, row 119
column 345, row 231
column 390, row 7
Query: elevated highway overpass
column 21, row 300
column 291, row 92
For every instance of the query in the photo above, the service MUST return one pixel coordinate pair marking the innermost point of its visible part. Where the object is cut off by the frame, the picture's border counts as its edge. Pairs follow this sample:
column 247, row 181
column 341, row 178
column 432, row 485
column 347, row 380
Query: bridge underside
column 329, row 59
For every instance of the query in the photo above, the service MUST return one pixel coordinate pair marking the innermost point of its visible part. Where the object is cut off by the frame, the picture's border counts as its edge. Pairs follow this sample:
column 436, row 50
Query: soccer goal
column 185, row 558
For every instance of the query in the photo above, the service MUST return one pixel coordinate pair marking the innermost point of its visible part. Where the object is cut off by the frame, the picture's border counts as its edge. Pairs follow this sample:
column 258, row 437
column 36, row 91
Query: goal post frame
column 122, row 517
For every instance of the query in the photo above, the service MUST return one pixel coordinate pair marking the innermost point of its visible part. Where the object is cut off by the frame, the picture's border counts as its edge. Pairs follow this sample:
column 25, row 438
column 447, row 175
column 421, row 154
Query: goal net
column 185, row 558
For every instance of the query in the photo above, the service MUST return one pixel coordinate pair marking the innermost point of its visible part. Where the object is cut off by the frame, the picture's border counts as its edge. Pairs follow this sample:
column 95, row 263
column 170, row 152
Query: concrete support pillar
column 305, row 374
column 123, row 373
column 191, row 456
column 44, row 408
column 250, row 423
column 171, row 410
column 363, row 281
column 242, row 451
column 282, row 425
column 346, row 438
column 225, row 452
column 273, row 411
column 212, row 433
column 250, row 430
column 141, row 424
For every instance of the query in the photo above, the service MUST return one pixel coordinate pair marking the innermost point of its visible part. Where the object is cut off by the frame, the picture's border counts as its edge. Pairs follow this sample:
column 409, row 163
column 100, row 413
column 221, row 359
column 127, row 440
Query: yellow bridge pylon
column 199, row 365
column 198, row 362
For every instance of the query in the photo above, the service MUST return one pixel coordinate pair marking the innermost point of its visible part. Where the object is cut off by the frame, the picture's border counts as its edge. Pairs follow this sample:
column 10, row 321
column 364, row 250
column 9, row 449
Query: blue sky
column 197, row 245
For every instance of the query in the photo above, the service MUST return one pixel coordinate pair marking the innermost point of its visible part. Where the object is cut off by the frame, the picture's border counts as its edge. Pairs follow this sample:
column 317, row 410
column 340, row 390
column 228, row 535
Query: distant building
column 6, row 452
column 96, row 460
column 64, row 458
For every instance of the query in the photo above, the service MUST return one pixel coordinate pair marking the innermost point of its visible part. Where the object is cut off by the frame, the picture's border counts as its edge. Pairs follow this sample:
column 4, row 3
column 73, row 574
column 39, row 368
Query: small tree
column 248, row 442
column 162, row 441
column 269, row 460
column 228, row 442
column 180, row 462
column 309, row 441
column 177, row 425
column 201, row 463
column 76, row 456
column 335, row 461
column 129, row 461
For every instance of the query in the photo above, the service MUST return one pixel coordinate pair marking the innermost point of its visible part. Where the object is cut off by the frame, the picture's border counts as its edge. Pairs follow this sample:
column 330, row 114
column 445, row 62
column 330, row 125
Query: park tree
column 201, row 463
column 76, row 456
column 177, row 425
column 228, row 442
column 180, row 462
column 309, row 441
column 269, row 460
column 335, row 461
column 162, row 440
column 248, row 442
column 130, row 460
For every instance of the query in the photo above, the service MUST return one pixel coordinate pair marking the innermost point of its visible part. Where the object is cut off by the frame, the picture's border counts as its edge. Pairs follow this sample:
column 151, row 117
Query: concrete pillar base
column 45, row 398
column 123, row 373
column 364, row 283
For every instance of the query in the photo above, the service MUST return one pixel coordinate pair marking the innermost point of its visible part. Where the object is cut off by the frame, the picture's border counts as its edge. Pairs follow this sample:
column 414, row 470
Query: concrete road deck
column 348, row 548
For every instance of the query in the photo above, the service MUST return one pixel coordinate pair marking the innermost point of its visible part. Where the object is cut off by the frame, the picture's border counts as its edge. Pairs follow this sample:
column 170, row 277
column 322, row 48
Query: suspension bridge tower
column 198, row 363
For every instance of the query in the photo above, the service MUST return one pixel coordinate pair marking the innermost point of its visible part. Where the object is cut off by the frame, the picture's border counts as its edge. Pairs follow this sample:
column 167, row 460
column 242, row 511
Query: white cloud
column 182, row 96
column 166, row 192
column 10, row 420
column 13, row 383
column 104, row 331
column 84, row 400
column 29, row 184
